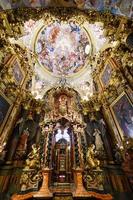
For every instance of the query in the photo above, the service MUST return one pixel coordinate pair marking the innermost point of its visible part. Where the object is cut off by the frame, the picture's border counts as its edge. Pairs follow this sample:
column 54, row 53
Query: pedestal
column 44, row 191
column 78, row 179
column 80, row 190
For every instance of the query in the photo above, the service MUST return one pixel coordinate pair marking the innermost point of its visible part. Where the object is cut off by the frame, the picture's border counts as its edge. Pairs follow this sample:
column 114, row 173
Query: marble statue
column 98, row 140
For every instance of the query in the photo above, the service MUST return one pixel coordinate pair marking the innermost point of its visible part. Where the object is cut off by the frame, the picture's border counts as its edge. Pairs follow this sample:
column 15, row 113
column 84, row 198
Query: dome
column 62, row 48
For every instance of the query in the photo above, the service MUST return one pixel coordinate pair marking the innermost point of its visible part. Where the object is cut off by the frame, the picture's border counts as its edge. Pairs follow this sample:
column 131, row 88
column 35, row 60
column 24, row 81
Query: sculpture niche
column 63, row 104
column 98, row 140
column 22, row 145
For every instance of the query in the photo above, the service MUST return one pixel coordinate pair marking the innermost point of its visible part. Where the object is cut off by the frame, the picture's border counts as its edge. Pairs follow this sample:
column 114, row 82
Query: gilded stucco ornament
column 92, row 105
column 117, row 79
column 31, row 174
column 92, row 162
column 93, row 176
column 18, row 17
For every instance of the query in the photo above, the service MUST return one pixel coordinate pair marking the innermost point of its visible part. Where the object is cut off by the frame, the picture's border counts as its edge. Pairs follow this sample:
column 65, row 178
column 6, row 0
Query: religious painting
column 17, row 72
column 5, row 106
column 106, row 75
column 122, row 110
column 114, row 128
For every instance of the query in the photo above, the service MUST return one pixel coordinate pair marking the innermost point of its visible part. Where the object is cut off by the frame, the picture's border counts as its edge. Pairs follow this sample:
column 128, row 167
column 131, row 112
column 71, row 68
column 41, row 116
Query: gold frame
column 114, row 127
column 7, row 63
column 15, row 59
column 108, row 61
column 8, row 112
column 130, row 94
column 122, row 134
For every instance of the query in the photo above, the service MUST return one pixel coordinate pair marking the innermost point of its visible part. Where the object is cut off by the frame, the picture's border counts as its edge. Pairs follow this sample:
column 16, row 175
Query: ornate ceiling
column 63, row 50
column 64, row 42
column 119, row 7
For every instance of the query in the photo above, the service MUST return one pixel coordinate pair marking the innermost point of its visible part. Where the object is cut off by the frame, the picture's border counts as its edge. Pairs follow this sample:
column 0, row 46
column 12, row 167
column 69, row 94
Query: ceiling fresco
column 62, row 48
column 119, row 7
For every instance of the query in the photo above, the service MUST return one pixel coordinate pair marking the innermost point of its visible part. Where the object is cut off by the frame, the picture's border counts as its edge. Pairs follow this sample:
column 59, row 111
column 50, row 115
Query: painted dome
column 62, row 48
